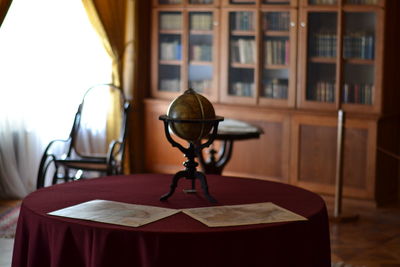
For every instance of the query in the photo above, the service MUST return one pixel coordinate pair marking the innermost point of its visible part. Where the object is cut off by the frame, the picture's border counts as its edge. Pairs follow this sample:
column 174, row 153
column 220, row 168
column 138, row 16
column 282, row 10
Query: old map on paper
column 115, row 212
column 234, row 215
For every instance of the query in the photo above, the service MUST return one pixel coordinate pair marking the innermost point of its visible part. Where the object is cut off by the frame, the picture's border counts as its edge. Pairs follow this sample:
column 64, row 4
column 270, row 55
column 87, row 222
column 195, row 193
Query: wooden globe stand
column 190, row 153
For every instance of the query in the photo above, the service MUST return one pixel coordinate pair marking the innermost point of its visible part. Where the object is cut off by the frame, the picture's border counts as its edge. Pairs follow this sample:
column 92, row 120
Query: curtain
column 45, row 69
column 120, row 23
column 4, row 6
column 108, row 18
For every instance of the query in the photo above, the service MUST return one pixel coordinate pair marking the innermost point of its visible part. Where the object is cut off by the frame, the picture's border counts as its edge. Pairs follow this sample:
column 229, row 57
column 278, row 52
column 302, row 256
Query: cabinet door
column 314, row 155
column 364, row 2
column 318, row 67
column 279, row 54
column 168, row 53
column 361, row 82
column 240, row 56
column 184, row 52
column 184, row 2
column 202, row 67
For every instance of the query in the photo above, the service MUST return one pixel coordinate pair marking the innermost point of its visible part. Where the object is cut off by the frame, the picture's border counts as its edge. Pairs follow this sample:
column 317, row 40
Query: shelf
column 201, row 32
column 243, row 33
column 326, row 60
column 170, row 62
column 177, row 32
column 276, row 67
column 243, row 66
column 359, row 61
column 200, row 63
column 277, row 33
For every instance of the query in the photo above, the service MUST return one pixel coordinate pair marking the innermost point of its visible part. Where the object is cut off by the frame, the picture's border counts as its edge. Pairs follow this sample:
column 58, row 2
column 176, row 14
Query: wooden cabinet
column 340, row 56
column 288, row 66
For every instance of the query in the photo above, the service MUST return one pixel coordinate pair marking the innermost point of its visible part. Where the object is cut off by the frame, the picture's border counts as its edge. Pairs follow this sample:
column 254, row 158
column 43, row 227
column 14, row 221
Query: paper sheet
column 115, row 212
column 246, row 214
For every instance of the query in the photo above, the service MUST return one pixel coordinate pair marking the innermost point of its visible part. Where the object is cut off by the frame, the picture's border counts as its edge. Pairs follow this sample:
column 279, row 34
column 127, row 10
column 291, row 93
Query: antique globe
column 196, row 108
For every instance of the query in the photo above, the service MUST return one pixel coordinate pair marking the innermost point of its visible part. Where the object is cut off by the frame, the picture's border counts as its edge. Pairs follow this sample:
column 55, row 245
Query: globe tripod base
column 189, row 174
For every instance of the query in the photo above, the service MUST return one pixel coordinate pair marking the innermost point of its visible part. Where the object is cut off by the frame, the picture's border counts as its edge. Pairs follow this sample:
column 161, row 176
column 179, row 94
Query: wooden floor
column 371, row 241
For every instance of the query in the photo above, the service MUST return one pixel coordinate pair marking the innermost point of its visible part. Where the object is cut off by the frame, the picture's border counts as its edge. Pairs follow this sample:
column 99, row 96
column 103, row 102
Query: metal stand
column 337, row 215
column 190, row 153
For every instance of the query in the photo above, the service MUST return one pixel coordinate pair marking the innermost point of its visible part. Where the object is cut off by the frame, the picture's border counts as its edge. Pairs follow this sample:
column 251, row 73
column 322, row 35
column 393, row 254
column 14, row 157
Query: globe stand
column 190, row 153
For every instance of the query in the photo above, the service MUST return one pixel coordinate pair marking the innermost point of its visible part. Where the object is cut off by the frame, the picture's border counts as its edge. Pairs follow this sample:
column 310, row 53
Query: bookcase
column 287, row 66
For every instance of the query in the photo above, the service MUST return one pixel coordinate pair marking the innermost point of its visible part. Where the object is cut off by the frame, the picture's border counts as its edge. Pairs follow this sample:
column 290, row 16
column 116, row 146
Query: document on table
column 246, row 214
column 113, row 212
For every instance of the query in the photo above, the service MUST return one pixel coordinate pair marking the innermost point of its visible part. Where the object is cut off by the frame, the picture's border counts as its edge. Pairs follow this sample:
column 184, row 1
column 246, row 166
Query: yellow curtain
column 120, row 23
column 4, row 6
column 108, row 18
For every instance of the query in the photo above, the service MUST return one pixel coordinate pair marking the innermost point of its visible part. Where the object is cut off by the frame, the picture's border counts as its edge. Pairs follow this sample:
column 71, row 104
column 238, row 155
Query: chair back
column 101, row 119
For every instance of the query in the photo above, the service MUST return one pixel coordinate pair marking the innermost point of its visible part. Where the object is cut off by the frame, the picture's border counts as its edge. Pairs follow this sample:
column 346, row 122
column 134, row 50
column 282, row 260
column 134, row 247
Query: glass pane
column 205, row 2
column 322, row 34
column 200, row 78
column 276, row 2
column 242, row 53
column 322, row 2
column 275, row 79
column 276, row 21
column 169, row 2
column 242, row 21
column 359, row 39
column 169, row 78
column 200, row 51
column 170, row 47
column 361, row 2
column 243, row 2
column 358, row 84
column 321, row 82
column 241, row 82
column 275, row 83
column 201, row 21
column 170, row 21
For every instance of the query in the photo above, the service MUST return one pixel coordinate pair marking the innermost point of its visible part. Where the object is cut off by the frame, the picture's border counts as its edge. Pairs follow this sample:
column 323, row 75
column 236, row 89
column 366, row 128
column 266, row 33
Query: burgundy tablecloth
column 43, row 240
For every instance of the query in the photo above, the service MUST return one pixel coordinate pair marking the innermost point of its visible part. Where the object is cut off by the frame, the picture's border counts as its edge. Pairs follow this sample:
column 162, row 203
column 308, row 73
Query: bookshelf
column 287, row 66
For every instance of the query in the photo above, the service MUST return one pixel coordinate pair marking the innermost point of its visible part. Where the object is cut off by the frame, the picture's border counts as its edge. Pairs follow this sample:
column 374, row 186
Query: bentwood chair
column 96, row 143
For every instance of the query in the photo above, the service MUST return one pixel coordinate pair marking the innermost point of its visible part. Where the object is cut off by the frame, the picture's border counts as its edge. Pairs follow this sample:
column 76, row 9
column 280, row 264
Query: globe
column 191, row 106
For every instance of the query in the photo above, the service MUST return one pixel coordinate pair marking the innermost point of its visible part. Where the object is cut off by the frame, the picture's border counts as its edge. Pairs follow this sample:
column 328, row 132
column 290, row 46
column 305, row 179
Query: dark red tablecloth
column 43, row 240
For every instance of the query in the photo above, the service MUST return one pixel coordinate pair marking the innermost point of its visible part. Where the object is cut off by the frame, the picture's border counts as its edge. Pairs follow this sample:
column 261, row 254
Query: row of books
column 322, row 91
column 201, row 1
column 170, row 85
column 322, row 2
column 362, row 2
column 277, row 52
column 201, row 86
column 170, row 2
column 324, row 44
column 201, row 22
column 241, row 89
column 170, row 21
column 358, row 93
column 170, row 50
column 243, row 51
column 242, row 21
column 276, row 88
column 358, row 45
column 276, row 21
column 201, row 52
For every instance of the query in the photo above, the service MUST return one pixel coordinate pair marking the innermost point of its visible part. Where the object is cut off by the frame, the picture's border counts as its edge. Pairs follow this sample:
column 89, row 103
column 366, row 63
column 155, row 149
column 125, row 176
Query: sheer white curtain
column 49, row 56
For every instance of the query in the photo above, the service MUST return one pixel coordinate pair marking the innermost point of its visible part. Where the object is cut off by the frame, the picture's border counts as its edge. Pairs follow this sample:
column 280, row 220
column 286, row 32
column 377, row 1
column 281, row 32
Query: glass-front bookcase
column 259, row 65
column 185, row 50
column 337, row 61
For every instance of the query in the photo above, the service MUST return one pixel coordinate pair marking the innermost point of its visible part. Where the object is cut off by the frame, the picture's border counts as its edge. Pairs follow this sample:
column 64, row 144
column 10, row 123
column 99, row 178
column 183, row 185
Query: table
column 229, row 131
column 44, row 240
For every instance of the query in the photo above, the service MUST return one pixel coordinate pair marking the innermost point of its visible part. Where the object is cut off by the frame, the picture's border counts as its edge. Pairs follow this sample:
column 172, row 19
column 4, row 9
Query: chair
column 96, row 142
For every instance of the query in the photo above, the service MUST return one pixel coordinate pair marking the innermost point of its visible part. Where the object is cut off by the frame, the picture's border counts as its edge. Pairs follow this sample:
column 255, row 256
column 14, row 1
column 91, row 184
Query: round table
column 179, row 240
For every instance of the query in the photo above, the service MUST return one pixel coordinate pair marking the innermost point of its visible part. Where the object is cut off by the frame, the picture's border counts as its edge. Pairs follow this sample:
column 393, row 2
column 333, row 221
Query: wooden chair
column 96, row 142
